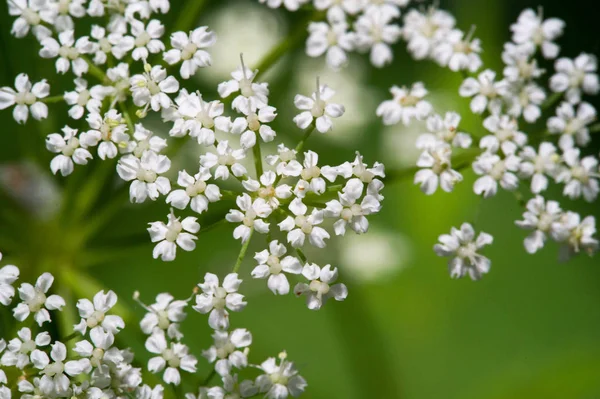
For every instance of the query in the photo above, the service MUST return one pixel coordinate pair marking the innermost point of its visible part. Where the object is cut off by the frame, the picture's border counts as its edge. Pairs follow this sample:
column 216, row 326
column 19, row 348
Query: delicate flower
column 576, row 235
column 215, row 299
column 174, row 233
column 55, row 380
column 572, row 124
column 229, row 350
column 252, row 95
column 541, row 216
column 190, row 50
column 267, row 189
column 147, row 38
column 35, row 300
column 285, row 161
column 576, row 76
column 317, row 108
column 145, row 140
column 462, row 247
column 151, row 88
column 406, row 105
column 445, row 130
column 26, row 98
column 20, row 349
column 232, row 389
column 280, row 380
column 145, row 392
column 580, row 176
column 144, row 174
column 437, row 169
column 68, row 52
column 66, row 9
column 300, row 226
column 526, row 101
column 320, row 287
column 172, row 357
column 331, row 38
column 8, row 275
column 310, row 176
column 251, row 217
column 375, row 32
column 99, row 351
column 486, row 92
column 93, row 314
column 291, row 5
column 81, row 98
column 538, row 166
column 31, row 14
column 119, row 78
column 532, row 28
column 195, row 192
column 225, row 159
column 458, row 52
column 520, row 62
column 272, row 265
column 109, row 133
column 494, row 170
column 68, row 148
column 114, row 43
column 506, row 135
column 424, row 30
column 349, row 211
column 338, row 8
column 253, row 125
column 165, row 315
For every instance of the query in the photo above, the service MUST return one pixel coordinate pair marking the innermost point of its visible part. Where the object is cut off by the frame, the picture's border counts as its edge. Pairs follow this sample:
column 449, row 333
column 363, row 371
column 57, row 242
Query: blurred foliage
column 529, row 329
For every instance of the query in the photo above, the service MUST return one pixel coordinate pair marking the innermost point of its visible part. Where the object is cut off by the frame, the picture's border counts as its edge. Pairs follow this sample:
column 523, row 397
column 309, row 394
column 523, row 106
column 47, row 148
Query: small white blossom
column 541, row 216
column 55, row 380
column 68, row 52
column 253, row 125
column 266, row 189
column 320, row 288
column 190, row 50
column 331, row 38
column 31, row 15
column 82, row 99
column 196, row 192
column 458, row 52
column 171, row 358
column 151, row 88
column 232, row 389
column 574, row 77
column 291, row 5
column 407, row 104
column 229, row 350
column 424, row 30
column 145, row 140
column 317, row 108
column 251, row 217
column 93, row 314
column 145, row 175
column 311, row 176
column 580, row 176
column 20, row 349
column 486, row 92
column 375, row 32
column 506, row 135
column 25, row 98
column 539, row 165
column 520, row 62
column 174, row 233
column 166, row 315
column 69, row 150
column 35, row 300
column 147, row 38
column 436, row 170
column 349, row 210
column 462, row 249
column 272, row 265
column 114, row 43
column 572, row 124
column 576, row 235
column 215, row 299
column 445, row 130
column 8, row 275
column 252, row 95
column 225, row 159
column 493, row 171
column 301, row 225
column 526, row 100
column 285, row 162
column 532, row 28
column 280, row 380
column 109, row 133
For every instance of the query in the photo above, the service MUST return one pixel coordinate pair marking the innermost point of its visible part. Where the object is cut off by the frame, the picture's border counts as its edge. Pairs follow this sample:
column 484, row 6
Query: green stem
column 553, row 99
column 301, row 255
column 52, row 100
column 94, row 70
column 257, row 157
column 127, row 117
column 307, row 132
column 595, row 128
column 208, row 378
column 242, row 254
column 189, row 15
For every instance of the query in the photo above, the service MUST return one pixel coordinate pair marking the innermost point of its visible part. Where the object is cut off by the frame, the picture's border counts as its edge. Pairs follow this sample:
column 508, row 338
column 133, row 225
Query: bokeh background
column 529, row 329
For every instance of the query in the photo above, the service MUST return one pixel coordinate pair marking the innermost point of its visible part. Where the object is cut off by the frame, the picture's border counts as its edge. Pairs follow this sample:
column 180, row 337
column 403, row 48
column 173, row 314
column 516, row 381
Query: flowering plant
column 128, row 73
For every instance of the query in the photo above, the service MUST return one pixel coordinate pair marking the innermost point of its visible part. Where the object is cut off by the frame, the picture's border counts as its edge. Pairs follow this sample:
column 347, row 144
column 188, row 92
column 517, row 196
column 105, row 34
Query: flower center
column 246, row 87
column 311, row 172
column 143, row 39
column 197, row 188
column 173, row 231
column 253, row 122
column 27, row 346
column 37, row 302
column 319, row 287
column 145, row 175
column 318, row 108
column 188, row 51
column 25, row 98
column 53, row 369
column 303, row 223
column 31, row 16
column 171, row 358
column 95, row 319
column 68, row 52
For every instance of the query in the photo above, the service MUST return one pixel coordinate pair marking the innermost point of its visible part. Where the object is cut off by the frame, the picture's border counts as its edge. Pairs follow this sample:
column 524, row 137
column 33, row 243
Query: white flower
column 8, row 275
column 199, row 118
column 226, row 158
column 331, row 38
column 66, row 9
column 495, row 170
column 119, row 78
column 93, row 314
column 445, row 130
column 145, row 140
column 68, row 148
column 532, row 28
column 310, row 176
column 576, row 235
column 144, row 174
column 165, row 314
column 147, row 38
column 31, row 14
column 267, row 189
column 424, row 30
column 20, row 349
column 252, row 95
column 338, row 8
column 407, row 104
column 367, row 175
column 538, row 166
column 576, row 76
column 151, row 88
column 526, row 100
column 114, row 43
column 462, row 247
column 437, row 169
column 272, row 265
column 35, row 300
column 253, row 125
column 145, row 392
column 232, row 389
column 174, row 233
column 172, row 357
column 458, row 52
column 300, row 226
column 375, row 32
column 250, row 218
column 291, row 5
column 68, row 52
column 109, row 133
column 285, row 162
column 349, row 211
column 99, row 351
column 226, row 350
column 320, row 288
column 572, row 124
column 196, row 192
column 541, row 216
column 25, row 98
column 55, row 381
column 215, row 299
column 486, row 92
column 506, row 135
column 190, row 50
column 81, row 98
column 280, row 380
column 318, row 108
column 580, row 176
column 520, row 62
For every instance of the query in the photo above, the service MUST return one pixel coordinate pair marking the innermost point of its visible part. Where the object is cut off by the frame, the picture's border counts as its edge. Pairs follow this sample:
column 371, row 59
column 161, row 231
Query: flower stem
column 52, row 100
column 208, row 378
column 595, row 128
column 257, row 157
column 242, row 254
column 307, row 132
column 94, row 70
column 189, row 15
column 127, row 117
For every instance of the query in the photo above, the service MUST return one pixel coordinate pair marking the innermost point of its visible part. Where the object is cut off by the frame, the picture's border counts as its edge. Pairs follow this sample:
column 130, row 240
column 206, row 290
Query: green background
column 529, row 329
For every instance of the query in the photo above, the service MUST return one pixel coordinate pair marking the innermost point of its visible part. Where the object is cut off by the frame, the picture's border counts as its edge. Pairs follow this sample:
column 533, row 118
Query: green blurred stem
column 307, row 132
column 242, row 254
column 595, row 128
column 52, row 100
column 94, row 70
column 553, row 99
column 301, row 255
column 257, row 157
column 127, row 117
column 208, row 378
column 189, row 15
